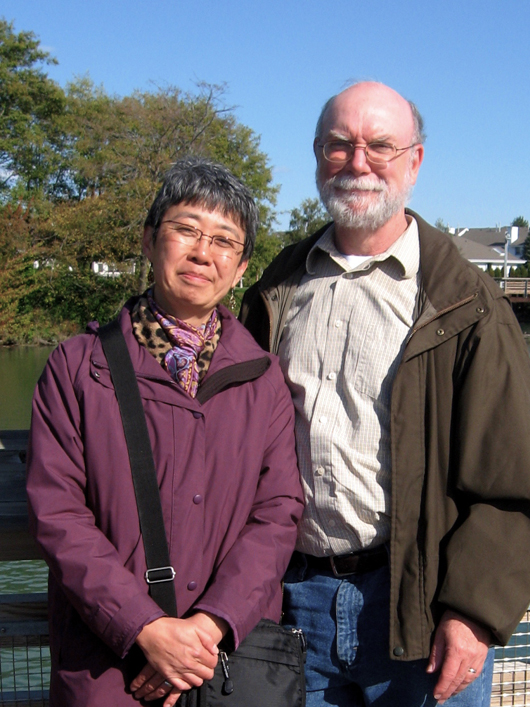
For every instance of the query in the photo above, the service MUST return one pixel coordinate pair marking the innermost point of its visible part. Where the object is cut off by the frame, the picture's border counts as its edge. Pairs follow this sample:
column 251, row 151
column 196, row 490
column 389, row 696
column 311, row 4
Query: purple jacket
column 230, row 491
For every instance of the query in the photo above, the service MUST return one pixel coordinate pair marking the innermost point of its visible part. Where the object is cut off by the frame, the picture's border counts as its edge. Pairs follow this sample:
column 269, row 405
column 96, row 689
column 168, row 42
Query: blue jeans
column 346, row 622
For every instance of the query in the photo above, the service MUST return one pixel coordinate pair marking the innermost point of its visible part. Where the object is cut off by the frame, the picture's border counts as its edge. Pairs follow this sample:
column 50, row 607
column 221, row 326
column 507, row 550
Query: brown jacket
column 460, row 444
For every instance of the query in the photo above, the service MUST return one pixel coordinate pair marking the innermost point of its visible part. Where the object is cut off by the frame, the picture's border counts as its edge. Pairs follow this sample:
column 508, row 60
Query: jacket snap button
column 192, row 585
column 274, row 298
column 398, row 650
column 440, row 332
column 96, row 374
column 480, row 310
column 197, row 415
column 197, row 499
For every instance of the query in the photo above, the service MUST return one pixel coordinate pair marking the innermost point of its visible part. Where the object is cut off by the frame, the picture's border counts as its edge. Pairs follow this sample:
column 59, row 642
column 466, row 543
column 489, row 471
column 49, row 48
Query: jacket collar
column 454, row 294
column 447, row 277
column 237, row 359
column 449, row 282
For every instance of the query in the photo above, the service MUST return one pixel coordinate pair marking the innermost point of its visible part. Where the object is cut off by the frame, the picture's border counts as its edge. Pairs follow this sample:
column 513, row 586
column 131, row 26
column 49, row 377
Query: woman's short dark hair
column 199, row 181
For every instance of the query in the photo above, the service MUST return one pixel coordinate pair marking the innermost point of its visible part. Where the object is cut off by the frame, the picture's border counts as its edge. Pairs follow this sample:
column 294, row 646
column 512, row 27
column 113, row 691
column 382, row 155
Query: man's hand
column 180, row 652
column 459, row 651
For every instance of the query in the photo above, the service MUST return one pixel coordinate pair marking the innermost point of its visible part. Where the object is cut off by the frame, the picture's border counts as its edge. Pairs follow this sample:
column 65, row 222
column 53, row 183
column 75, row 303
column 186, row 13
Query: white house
column 486, row 246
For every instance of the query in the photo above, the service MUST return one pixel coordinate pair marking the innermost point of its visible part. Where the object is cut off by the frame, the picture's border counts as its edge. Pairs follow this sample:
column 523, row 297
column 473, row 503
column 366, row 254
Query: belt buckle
column 335, row 571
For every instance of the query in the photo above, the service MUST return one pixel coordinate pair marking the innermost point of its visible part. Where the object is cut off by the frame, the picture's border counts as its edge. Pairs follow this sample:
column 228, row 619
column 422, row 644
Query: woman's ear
column 147, row 242
column 240, row 272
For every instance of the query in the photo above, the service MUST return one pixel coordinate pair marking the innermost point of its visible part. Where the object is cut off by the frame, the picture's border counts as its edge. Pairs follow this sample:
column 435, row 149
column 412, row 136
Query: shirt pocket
column 377, row 361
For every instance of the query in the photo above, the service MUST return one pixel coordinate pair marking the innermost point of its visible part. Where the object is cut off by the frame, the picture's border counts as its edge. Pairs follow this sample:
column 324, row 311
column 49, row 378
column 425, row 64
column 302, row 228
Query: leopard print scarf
column 151, row 334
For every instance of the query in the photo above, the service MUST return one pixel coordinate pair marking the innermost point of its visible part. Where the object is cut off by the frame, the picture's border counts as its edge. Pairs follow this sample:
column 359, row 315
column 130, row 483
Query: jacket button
column 440, row 332
column 197, row 499
column 480, row 310
column 274, row 297
column 398, row 651
column 196, row 415
column 192, row 585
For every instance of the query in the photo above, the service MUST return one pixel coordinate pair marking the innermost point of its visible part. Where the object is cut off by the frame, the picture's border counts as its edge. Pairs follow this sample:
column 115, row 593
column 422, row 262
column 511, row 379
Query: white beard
column 362, row 211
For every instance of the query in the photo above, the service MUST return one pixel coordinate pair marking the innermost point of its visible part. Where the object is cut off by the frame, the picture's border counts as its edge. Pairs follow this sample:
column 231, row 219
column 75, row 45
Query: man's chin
column 348, row 208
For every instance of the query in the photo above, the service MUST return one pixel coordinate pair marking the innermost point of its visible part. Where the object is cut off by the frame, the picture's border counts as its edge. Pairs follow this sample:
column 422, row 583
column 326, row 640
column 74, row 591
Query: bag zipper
column 228, row 685
column 302, row 640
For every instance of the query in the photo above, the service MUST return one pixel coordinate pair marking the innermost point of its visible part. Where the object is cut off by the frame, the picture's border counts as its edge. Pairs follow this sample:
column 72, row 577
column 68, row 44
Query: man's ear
column 417, row 159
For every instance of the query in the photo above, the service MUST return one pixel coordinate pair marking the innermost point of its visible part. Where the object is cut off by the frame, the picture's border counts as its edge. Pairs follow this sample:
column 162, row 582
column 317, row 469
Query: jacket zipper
column 269, row 312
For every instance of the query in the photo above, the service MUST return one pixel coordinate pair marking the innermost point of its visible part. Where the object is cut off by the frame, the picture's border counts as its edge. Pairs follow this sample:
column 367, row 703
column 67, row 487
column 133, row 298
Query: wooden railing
column 515, row 286
column 15, row 541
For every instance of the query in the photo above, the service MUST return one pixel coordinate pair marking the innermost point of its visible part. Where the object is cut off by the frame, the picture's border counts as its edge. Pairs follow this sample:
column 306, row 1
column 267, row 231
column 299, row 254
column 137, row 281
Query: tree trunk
column 144, row 272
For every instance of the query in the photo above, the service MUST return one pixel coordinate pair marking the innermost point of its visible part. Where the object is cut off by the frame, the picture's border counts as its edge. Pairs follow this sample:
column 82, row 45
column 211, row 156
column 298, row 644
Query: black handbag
column 267, row 669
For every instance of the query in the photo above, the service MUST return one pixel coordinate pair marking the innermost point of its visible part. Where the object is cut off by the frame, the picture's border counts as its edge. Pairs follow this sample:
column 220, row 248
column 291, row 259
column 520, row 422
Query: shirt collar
column 405, row 251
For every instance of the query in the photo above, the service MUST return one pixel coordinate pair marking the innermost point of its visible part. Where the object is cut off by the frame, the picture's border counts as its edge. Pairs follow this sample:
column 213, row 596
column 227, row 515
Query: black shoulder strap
column 159, row 573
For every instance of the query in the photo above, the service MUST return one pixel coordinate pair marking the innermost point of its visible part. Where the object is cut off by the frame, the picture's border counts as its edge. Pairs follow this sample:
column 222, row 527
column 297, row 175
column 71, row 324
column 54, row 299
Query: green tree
column 123, row 147
column 441, row 225
column 266, row 249
column 79, row 169
column 520, row 221
column 30, row 102
column 305, row 220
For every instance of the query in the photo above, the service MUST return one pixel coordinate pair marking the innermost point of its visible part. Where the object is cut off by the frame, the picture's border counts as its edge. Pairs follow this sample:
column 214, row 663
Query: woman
column 226, row 466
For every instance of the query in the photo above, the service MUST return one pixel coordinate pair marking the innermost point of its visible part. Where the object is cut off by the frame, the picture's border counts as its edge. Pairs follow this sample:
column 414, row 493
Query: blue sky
column 465, row 64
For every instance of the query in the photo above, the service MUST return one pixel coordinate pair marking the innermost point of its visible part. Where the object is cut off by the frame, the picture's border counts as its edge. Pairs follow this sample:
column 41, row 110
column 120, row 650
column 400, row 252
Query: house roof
column 478, row 253
column 494, row 237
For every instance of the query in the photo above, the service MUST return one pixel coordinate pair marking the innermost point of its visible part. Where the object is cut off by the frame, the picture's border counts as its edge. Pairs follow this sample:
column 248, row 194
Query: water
column 23, row 577
column 20, row 368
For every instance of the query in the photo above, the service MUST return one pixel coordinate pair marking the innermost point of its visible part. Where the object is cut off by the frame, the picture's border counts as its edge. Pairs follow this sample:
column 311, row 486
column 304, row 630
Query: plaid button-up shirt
column 344, row 337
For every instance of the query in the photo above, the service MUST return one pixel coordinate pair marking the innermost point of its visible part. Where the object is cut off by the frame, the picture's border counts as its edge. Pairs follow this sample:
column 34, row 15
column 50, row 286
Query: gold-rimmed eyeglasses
column 341, row 151
column 189, row 236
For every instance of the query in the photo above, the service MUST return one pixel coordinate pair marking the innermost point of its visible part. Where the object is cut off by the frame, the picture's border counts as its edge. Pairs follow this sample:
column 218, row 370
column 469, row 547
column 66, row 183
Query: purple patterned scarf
column 187, row 342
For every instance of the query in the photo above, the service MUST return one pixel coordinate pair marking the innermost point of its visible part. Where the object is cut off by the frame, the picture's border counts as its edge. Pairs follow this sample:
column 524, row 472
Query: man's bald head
column 418, row 135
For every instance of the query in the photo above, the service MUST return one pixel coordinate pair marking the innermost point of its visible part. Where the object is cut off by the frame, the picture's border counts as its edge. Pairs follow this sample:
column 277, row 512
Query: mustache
column 356, row 183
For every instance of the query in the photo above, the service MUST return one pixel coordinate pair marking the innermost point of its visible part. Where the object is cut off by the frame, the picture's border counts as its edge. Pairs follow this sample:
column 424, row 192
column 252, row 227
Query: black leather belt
column 353, row 563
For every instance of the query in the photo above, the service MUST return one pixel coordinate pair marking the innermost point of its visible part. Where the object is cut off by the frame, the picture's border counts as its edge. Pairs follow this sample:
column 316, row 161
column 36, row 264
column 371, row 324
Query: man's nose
column 358, row 162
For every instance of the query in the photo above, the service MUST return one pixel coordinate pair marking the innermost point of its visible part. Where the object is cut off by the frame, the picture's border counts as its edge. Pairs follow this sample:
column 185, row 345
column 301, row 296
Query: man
column 411, row 383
